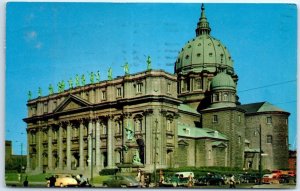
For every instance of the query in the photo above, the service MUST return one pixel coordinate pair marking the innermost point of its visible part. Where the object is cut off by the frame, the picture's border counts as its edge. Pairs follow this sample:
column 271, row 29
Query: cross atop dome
column 202, row 25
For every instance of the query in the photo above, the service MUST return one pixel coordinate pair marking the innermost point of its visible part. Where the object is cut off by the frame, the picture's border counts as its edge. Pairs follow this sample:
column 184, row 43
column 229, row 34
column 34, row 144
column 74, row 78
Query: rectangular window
column 169, row 88
column 215, row 118
column 269, row 139
column 198, row 84
column 103, row 95
column 46, row 107
column 269, row 120
column 119, row 92
column 239, row 118
column 139, row 88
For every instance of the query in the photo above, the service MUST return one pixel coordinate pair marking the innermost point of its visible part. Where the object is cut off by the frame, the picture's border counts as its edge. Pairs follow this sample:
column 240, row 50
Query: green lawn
column 42, row 177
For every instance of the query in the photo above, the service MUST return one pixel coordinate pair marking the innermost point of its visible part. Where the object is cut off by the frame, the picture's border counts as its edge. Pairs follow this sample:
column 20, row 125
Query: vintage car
column 178, row 179
column 119, row 181
column 64, row 180
column 210, row 179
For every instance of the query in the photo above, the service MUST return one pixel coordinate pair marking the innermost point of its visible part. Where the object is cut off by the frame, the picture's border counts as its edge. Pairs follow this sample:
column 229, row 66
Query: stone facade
column 154, row 119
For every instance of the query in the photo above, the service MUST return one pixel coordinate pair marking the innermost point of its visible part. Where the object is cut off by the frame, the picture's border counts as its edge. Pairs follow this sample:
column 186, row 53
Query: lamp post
column 155, row 140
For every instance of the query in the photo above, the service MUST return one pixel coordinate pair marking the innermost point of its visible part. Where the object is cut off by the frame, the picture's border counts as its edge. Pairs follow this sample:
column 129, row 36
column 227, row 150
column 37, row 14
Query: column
column 50, row 148
column 149, row 133
column 69, row 126
column 98, row 144
column 28, row 150
column 81, row 142
column 90, row 126
column 60, row 145
column 39, row 150
column 110, row 143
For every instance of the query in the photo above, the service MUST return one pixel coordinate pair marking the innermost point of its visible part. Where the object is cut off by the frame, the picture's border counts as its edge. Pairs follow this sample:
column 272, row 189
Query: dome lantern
column 202, row 25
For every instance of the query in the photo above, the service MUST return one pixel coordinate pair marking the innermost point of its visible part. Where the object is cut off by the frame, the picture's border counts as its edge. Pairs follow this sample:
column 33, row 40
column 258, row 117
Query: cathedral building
column 154, row 119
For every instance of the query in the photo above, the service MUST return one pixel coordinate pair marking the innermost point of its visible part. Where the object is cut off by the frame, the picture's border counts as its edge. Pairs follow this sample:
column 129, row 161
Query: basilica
column 156, row 120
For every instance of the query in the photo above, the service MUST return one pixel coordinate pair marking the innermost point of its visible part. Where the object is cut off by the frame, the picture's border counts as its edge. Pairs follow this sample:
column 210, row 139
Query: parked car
column 119, row 181
column 175, row 181
column 64, row 180
column 267, row 179
column 249, row 178
column 210, row 179
column 284, row 178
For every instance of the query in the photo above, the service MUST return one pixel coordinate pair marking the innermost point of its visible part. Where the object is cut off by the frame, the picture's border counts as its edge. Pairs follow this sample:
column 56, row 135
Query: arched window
column 225, row 97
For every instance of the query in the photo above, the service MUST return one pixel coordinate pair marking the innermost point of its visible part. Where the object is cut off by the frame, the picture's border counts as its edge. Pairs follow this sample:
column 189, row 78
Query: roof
column 197, row 132
column 187, row 108
column 222, row 80
column 260, row 107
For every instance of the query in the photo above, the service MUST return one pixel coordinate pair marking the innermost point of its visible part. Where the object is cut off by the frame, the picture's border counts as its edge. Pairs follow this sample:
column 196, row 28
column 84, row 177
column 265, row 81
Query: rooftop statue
column 70, row 81
column 51, row 90
column 40, row 92
column 126, row 68
column 63, row 85
column 148, row 63
column 110, row 73
column 92, row 77
column 29, row 95
column 98, row 76
column 77, row 80
column 82, row 80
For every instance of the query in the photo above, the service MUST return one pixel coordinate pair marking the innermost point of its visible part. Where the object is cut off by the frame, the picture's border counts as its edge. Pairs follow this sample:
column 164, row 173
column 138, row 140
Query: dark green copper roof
column 260, row 107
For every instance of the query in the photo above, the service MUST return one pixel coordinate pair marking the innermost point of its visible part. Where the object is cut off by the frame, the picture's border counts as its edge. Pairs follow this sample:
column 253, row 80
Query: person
column 190, row 180
column 138, row 176
column 82, row 180
column 231, row 182
column 25, row 183
column 161, row 177
column 142, row 182
column 52, row 181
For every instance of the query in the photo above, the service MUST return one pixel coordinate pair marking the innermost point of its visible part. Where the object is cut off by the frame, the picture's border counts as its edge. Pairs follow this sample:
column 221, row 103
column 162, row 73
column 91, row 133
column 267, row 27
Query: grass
column 13, row 176
column 30, row 178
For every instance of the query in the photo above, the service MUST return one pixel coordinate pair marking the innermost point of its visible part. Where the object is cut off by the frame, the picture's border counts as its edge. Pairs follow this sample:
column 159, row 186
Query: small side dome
column 221, row 81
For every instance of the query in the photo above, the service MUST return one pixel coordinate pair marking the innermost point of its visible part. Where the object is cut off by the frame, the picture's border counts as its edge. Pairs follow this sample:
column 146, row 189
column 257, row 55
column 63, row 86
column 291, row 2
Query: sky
column 50, row 42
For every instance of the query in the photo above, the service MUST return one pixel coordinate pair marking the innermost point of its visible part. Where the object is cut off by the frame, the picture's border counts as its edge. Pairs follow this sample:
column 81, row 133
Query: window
column 269, row 120
column 239, row 118
column 54, row 134
column 269, row 139
column 118, row 127
column 215, row 118
column 119, row 92
column 225, row 97
column 103, row 95
column 209, row 154
column 168, row 125
column 198, row 84
column 75, row 132
column 104, row 128
column 169, row 88
column 139, row 88
column 138, row 125
column 46, row 107
column 239, row 140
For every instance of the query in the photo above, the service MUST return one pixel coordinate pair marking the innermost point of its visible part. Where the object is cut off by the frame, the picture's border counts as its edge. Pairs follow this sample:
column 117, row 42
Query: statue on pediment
column 77, row 80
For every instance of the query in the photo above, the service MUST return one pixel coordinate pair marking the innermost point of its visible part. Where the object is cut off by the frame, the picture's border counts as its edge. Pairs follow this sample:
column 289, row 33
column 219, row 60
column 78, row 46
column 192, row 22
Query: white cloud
column 32, row 35
column 38, row 45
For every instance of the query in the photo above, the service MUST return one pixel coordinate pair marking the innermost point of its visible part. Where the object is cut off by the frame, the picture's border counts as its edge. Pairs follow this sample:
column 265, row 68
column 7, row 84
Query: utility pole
column 155, row 140
column 260, row 152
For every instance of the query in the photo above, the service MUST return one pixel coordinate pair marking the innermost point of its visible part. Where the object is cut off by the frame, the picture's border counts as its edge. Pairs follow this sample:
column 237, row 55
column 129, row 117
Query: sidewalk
column 270, row 186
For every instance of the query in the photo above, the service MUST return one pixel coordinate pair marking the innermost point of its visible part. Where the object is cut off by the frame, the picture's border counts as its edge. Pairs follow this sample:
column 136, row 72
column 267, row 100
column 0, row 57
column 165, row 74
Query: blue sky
column 50, row 42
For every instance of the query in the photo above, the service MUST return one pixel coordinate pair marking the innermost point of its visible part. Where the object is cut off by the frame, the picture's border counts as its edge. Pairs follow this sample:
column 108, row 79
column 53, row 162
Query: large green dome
column 222, row 81
column 204, row 52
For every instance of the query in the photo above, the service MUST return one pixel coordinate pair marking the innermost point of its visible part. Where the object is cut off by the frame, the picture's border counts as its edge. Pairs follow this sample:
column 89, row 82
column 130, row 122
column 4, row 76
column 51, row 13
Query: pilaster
column 81, row 144
column 50, row 148
column 69, row 127
column 98, row 144
column 60, row 146
column 110, row 143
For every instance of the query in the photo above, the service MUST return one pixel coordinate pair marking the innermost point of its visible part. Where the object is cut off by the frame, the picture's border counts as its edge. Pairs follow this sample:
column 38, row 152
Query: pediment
column 72, row 103
column 183, row 142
